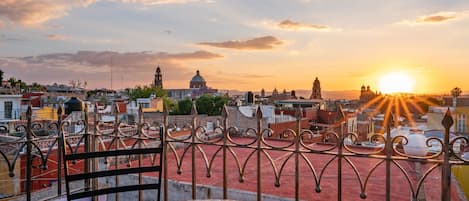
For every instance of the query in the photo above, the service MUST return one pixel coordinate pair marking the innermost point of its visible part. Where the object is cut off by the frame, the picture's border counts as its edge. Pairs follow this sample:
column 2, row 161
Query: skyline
column 238, row 45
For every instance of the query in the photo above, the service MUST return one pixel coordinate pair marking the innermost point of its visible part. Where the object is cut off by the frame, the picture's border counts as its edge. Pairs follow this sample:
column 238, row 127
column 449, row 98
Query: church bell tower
column 158, row 82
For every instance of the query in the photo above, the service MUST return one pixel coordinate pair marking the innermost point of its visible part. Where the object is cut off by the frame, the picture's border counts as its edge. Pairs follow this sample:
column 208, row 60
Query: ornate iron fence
column 224, row 138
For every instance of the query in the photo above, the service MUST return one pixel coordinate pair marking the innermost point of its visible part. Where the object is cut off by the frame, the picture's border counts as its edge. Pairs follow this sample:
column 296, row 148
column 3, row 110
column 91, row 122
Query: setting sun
column 396, row 82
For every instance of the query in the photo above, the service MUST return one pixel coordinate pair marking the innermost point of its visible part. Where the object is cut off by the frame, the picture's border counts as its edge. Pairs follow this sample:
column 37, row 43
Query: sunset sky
column 242, row 44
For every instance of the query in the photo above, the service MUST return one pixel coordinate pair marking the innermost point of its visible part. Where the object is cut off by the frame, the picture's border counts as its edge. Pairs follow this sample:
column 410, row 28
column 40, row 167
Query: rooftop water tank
column 73, row 104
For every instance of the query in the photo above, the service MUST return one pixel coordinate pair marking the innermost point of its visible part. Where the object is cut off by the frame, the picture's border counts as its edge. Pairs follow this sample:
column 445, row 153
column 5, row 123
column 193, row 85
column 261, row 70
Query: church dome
column 197, row 78
column 197, row 81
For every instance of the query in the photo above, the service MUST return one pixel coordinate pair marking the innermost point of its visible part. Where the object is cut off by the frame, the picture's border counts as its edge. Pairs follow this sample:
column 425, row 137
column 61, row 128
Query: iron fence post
column 165, row 152
column 259, row 151
column 94, row 161
column 116, row 141
column 447, row 122
column 297, row 153
column 224, row 115
column 389, row 151
column 140, row 156
column 59, row 150
column 193, row 136
column 340, row 144
column 28, row 153
column 87, row 146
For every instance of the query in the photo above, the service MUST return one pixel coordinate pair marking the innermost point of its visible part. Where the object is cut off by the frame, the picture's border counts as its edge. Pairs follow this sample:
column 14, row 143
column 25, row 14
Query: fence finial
column 140, row 109
column 224, row 111
column 116, row 108
column 59, row 111
column 29, row 112
column 447, row 121
column 390, row 119
column 165, row 109
column 194, row 108
column 340, row 113
column 259, row 112
column 298, row 113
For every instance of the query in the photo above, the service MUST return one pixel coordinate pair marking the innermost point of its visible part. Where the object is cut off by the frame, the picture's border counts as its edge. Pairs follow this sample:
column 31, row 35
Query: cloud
column 260, row 43
column 95, row 66
column 8, row 38
column 292, row 25
column 160, row 2
column 56, row 37
column 33, row 13
column 436, row 18
column 36, row 12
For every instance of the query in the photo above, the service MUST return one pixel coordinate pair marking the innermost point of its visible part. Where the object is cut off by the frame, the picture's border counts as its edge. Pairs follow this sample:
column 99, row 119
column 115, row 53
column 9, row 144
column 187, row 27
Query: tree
column 211, row 105
column 36, row 87
column 184, row 106
column 219, row 101
column 12, row 81
column 145, row 92
column 455, row 92
column 170, row 105
column 205, row 104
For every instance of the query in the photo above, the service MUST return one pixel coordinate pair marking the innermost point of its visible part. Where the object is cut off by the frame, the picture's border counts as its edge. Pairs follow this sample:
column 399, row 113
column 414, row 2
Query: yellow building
column 45, row 113
column 461, row 172
column 461, row 120
column 151, row 104
column 435, row 116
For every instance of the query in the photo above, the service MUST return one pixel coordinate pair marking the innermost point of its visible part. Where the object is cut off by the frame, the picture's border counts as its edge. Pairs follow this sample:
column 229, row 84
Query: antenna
column 111, row 71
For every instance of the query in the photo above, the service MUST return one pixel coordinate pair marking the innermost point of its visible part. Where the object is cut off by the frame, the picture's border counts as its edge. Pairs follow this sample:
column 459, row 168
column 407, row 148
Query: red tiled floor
column 400, row 189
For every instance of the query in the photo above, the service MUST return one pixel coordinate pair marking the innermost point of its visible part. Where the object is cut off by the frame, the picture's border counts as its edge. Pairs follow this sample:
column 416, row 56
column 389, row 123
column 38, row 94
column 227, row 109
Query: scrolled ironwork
column 353, row 137
column 285, row 134
column 404, row 140
column 459, row 139
column 251, row 133
column 328, row 135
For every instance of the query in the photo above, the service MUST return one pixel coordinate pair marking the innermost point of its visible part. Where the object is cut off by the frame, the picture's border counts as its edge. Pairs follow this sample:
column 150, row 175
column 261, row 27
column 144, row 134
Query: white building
column 10, row 107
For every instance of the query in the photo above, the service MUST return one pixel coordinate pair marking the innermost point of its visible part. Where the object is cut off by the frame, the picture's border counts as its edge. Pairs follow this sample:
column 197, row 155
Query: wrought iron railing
column 225, row 139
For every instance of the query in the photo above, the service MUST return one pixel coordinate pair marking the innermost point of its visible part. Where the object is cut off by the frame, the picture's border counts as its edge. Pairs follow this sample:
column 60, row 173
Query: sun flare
column 396, row 82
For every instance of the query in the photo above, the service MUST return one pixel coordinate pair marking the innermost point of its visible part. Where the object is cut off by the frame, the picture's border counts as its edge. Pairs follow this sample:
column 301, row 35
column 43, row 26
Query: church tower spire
column 316, row 94
column 158, row 82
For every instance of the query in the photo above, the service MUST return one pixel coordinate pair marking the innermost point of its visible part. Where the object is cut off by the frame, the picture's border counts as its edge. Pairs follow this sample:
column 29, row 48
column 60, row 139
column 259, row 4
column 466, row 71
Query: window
column 462, row 123
column 8, row 109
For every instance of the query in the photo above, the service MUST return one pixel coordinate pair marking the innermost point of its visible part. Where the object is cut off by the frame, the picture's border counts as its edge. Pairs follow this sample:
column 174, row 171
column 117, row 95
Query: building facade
column 197, row 87
column 10, row 107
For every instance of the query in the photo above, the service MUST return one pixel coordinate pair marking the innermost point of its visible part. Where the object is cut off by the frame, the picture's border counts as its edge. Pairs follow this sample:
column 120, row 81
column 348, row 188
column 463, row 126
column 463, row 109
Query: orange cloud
column 32, row 13
column 158, row 2
column 436, row 18
column 260, row 43
column 292, row 25
column 36, row 12
column 56, row 37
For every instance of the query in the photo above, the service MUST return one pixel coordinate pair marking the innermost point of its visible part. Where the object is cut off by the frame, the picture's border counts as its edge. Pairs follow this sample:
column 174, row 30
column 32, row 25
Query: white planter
column 416, row 145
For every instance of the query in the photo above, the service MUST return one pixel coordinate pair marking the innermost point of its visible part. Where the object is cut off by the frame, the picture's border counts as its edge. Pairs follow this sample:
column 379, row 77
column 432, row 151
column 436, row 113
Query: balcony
column 226, row 162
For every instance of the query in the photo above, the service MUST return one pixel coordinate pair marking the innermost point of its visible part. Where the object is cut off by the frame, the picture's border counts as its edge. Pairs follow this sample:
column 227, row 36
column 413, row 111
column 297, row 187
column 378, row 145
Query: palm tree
column 455, row 92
